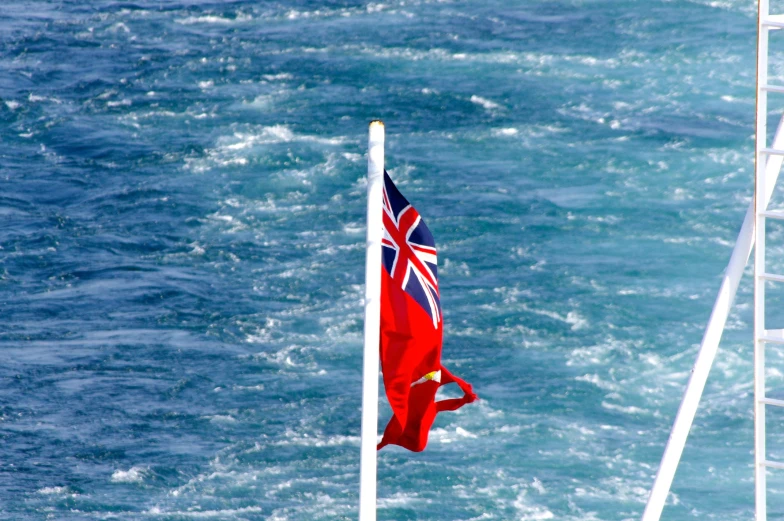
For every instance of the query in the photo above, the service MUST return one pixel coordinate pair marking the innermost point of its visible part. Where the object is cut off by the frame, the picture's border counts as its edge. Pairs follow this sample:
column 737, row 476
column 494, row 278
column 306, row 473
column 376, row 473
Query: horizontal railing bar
column 771, row 277
column 772, row 401
column 773, row 21
column 773, row 464
column 773, row 214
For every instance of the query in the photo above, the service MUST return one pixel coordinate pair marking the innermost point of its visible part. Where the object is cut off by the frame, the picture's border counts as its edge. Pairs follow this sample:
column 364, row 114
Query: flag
column 411, row 326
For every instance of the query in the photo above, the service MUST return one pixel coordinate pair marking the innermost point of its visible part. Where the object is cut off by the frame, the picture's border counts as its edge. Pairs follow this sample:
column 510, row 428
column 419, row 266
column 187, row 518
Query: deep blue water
column 182, row 196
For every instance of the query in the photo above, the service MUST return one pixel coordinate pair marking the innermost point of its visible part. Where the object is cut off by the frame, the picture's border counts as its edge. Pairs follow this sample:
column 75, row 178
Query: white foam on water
column 132, row 475
column 485, row 515
column 354, row 228
column 538, row 486
column 292, row 357
column 485, row 103
column 263, row 334
column 316, row 440
column 214, row 19
column 345, row 12
column 574, row 66
column 281, row 76
column 135, row 116
column 745, row 8
column 316, row 506
column 228, row 512
column 398, row 500
column 49, row 491
column 354, row 158
column 519, row 331
column 259, row 387
column 221, row 418
column 628, row 409
column 573, row 318
column 262, row 101
column 438, row 54
column 344, row 328
column 12, row 105
column 577, row 321
column 197, row 249
column 34, row 98
column 234, row 224
column 615, row 489
column 119, row 27
column 598, row 354
column 526, row 511
column 445, row 436
column 225, row 474
column 238, row 148
column 596, row 380
column 730, row 363
column 283, row 134
column 451, row 268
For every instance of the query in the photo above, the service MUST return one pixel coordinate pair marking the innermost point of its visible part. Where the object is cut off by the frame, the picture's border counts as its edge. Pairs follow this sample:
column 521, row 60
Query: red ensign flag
column 411, row 326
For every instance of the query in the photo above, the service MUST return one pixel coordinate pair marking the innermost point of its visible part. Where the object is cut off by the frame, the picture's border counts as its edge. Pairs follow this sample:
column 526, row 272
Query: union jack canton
column 409, row 251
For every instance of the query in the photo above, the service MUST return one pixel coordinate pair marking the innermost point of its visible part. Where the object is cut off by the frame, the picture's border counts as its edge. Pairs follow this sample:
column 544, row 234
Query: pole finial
column 376, row 137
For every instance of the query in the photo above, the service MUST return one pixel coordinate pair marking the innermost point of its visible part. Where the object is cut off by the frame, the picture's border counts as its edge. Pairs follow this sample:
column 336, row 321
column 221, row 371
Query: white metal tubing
column 710, row 344
column 759, row 364
column 773, row 22
column 760, row 199
column 773, row 402
column 772, row 339
column 774, row 464
column 771, row 277
column 367, row 471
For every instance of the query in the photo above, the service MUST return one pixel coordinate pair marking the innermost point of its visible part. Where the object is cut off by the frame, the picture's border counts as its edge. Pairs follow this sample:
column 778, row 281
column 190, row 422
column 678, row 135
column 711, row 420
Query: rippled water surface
column 181, row 254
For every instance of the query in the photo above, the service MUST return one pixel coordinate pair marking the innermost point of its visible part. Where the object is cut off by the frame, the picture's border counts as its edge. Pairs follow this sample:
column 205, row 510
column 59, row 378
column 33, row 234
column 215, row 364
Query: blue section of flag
column 409, row 251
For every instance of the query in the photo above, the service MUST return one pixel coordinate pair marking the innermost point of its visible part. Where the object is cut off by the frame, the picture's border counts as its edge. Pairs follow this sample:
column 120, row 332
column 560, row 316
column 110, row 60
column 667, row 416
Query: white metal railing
column 768, row 163
column 762, row 156
column 710, row 342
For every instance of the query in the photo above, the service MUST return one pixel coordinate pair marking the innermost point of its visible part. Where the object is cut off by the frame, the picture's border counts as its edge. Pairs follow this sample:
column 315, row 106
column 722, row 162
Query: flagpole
column 375, row 177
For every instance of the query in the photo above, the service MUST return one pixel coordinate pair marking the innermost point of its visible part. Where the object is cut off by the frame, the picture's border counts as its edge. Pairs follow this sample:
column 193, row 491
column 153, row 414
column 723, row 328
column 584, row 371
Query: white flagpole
column 710, row 344
column 367, row 471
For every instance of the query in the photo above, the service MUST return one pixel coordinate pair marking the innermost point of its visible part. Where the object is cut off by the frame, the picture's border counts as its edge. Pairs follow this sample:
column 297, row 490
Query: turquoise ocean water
column 181, row 254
